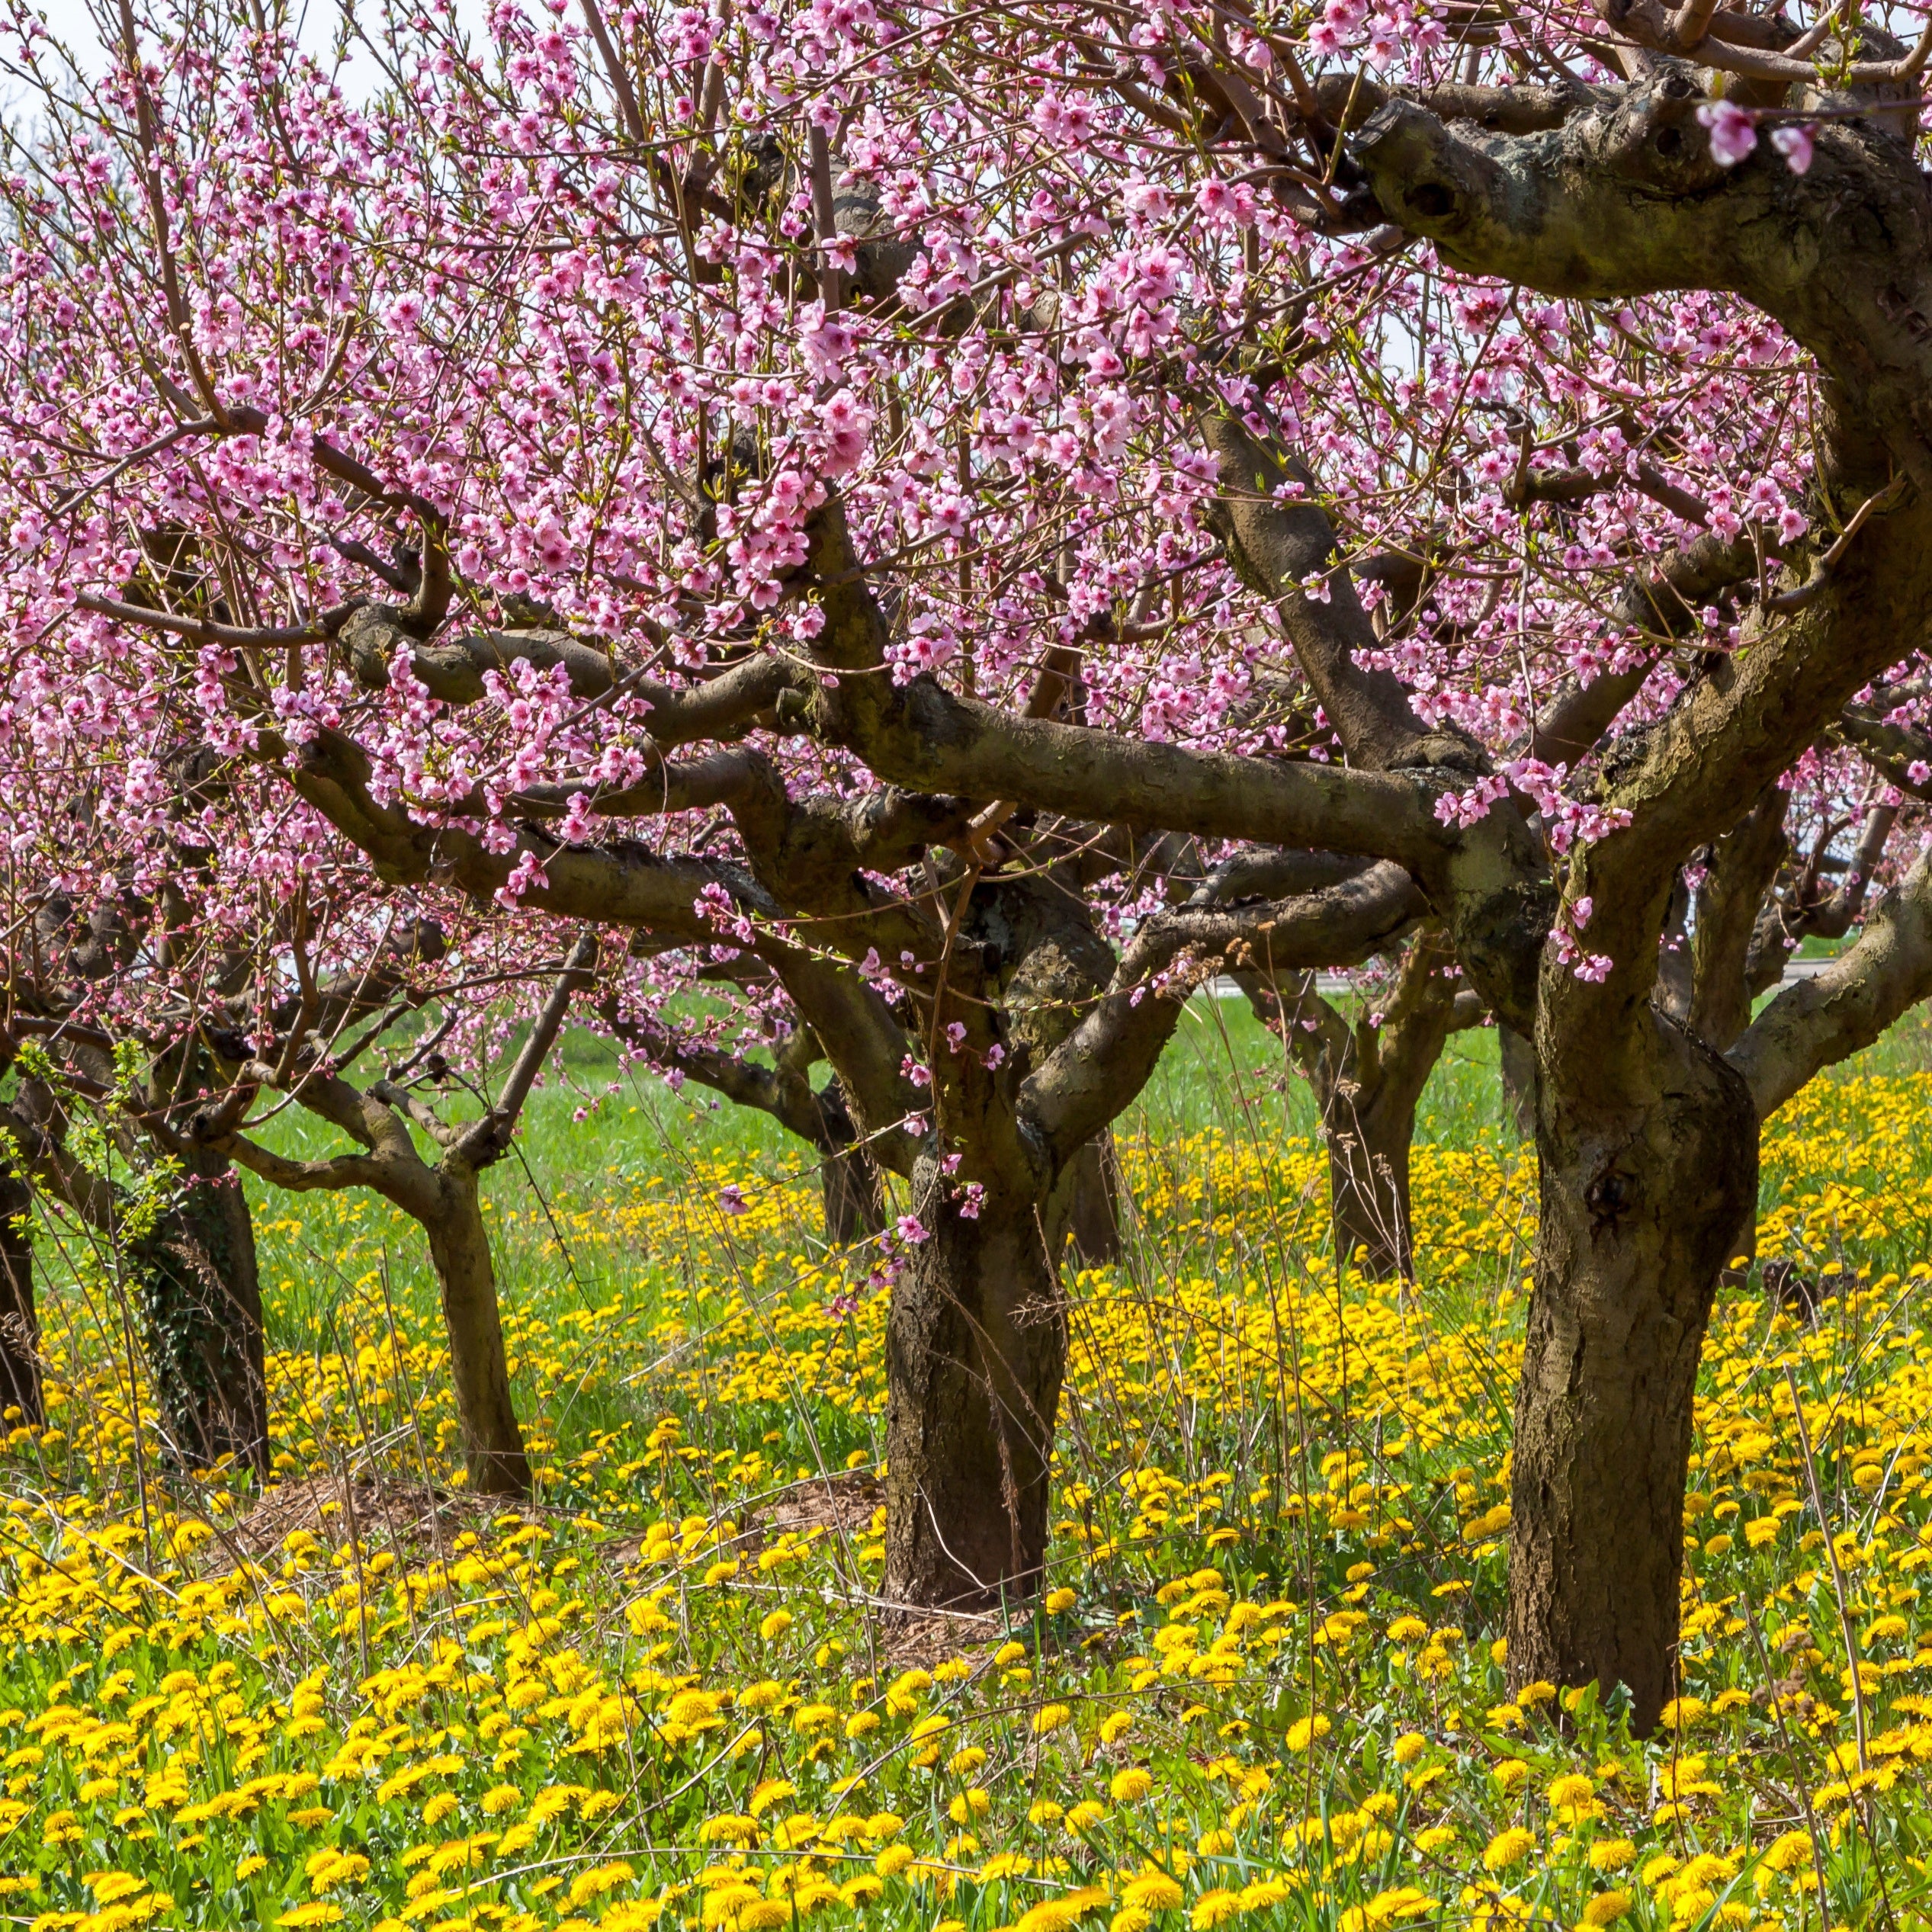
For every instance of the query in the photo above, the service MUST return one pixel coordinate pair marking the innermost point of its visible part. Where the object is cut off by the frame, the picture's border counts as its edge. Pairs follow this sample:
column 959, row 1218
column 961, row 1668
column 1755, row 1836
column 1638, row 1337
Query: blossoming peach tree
column 849, row 486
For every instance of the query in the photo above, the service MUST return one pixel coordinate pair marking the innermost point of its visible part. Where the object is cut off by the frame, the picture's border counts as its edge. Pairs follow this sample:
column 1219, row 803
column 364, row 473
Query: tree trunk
column 1642, row 1200
column 1368, row 1130
column 20, row 1328
column 201, row 1296
column 976, row 1346
column 459, row 1247
column 854, row 1189
column 1093, row 1214
column 855, row 1198
column 1518, row 1063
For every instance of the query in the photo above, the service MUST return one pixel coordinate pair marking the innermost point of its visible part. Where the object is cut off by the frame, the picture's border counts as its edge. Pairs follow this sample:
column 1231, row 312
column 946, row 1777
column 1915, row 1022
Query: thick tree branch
column 488, row 1139
column 1891, row 749
column 1105, row 1060
column 1743, row 862
column 1666, row 600
column 1264, row 872
column 1820, row 1021
column 1278, row 537
column 306, row 1176
column 1348, row 100
column 452, row 667
column 615, row 885
column 920, row 736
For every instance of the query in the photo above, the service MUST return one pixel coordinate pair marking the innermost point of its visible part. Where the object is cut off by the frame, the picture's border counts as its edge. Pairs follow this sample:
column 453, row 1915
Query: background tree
column 1367, row 1074
column 854, row 1188
column 443, row 1195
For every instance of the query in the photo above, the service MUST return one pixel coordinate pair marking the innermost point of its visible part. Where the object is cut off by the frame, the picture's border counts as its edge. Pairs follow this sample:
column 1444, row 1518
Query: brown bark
column 1644, row 1193
column 1093, row 1211
column 1518, row 1059
column 466, row 1280
column 1369, row 1131
column 199, row 1294
column 20, row 1328
column 976, row 1348
column 854, row 1196
column 1368, row 1079
column 443, row 1198
column 1744, row 863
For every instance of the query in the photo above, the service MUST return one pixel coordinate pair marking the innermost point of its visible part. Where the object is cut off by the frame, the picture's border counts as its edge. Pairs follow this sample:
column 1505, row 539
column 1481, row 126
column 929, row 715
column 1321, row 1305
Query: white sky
column 73, row 23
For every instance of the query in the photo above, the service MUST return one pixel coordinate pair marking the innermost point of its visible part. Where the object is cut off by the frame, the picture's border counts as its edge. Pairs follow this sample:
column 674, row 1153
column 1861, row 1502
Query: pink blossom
column 1794, row 142
column 1734, row 133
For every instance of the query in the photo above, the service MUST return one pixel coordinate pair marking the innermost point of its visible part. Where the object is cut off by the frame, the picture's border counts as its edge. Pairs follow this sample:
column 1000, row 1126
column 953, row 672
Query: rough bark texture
column 1369, row 1130
column 199, row 1299
column 1647, row 1141
column 855, row 1198
column 459, row 1246
column 1093, row 1217
column 854, row 1187
column 20, row 1328
column 1368, row 1080
column 976, row 1347
column 1743, row 864
column 1518, row 1067
column 1642, row 1195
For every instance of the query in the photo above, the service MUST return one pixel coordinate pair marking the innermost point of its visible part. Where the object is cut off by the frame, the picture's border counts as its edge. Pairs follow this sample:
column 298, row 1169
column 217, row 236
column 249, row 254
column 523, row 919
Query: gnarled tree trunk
column 1093, row 1211
column 976, row 1348
column 1369, row 1129
column 1368, row 1079
column 1517, row 1060
column 466, row 1279
column 1643, row 1196
column 20, row 1328
column 200, row 1298
column 854, row 1188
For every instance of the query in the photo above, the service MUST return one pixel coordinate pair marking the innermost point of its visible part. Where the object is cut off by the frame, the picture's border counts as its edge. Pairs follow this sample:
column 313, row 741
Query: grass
column 1266, row 1688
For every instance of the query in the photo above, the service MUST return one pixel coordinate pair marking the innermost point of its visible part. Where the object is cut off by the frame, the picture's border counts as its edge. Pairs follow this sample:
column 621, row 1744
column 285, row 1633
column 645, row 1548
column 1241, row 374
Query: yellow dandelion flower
column 1508, row 1848
column 1130, row 1786
column 1788, row 1853
column 1214, row 1908
column 1153, row 1891
column 599, row 1880
column 1606, row 1908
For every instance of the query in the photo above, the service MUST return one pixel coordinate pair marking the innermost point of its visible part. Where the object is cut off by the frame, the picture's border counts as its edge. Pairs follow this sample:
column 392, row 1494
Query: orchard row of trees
column 940, row 530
